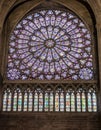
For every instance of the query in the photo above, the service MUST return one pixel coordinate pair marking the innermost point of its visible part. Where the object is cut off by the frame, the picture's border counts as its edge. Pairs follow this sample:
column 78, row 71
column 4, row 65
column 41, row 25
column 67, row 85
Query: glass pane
column 9, row 102
column 83, row 102
column 78, row 102
column 51, row 101
column 94, row 102
column 40, row 102
column 62, row 102
column 68, row 102
column 19, row 102
column 46, row 102
column 30, row 102
column 25, row 101
column 36, row 102
column 56, row 102
column 5, row 101
column 72, row 102
column 15, row 102
column 89, row 103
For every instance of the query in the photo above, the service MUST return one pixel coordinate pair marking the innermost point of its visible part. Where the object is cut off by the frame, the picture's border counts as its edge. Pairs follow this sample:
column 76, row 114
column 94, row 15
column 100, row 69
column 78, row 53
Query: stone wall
column 49, row 121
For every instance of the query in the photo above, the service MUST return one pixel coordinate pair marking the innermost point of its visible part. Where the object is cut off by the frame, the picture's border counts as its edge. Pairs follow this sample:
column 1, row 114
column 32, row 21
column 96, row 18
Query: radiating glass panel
column 57, row 102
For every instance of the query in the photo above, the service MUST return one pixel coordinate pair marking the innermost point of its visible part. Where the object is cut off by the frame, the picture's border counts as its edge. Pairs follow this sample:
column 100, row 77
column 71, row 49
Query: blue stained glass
column 48, row 36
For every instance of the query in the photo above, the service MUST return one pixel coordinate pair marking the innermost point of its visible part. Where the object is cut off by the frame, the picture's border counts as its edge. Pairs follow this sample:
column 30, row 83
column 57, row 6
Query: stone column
column 98, row 27
column 1, row 81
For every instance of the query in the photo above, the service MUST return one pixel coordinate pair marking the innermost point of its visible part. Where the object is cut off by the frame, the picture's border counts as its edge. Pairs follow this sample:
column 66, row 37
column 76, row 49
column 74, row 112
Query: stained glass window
column 81, row 100
column 17, row 100
column 50, row 45
column 38, row 100
column 48, row 104
column 59, row 100
column 92, row 101
column 7, row 98
column 28, row 100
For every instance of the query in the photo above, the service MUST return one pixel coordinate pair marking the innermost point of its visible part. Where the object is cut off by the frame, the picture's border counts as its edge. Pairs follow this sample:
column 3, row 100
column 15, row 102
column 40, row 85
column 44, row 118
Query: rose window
column 50, row 45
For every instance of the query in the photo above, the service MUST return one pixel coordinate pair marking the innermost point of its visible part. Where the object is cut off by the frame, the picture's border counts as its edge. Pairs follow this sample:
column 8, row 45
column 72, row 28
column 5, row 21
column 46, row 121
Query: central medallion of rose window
column 50, row 43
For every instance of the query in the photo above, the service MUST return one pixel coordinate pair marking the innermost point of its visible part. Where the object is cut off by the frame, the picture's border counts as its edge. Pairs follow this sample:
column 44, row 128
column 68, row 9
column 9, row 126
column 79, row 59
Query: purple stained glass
column 50, row 44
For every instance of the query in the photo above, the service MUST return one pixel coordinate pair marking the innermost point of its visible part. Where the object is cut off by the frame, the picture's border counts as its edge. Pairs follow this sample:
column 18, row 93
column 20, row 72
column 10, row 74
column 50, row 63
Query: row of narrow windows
column 49, row 100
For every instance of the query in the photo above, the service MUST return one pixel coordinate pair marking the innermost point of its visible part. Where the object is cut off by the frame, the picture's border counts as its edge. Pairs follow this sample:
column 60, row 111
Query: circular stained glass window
column 50, row 45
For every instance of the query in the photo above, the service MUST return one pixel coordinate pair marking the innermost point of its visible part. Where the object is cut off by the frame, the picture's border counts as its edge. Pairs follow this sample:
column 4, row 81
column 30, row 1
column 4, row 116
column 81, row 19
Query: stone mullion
column 33, row 96
column 75, row 95
column 65, row 101
column 86, row 96
column 23, row 101
column 81, row 100
column 12, row 100
column 43, row 101
column 27, row 101
column 98, row 26
column 54, row 93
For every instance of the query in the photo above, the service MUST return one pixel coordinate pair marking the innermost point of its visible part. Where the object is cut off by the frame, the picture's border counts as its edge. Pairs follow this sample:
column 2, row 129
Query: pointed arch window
column 7, row 100
column 17, row 100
